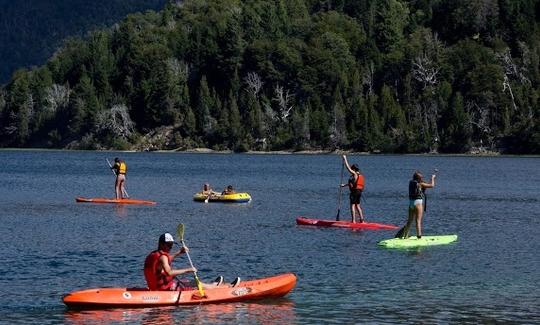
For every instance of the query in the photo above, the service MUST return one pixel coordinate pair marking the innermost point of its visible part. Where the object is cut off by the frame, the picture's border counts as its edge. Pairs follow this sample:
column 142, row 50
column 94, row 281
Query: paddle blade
column 337, row 215
column 400, row 233
column 180, row 231
column 199, row 285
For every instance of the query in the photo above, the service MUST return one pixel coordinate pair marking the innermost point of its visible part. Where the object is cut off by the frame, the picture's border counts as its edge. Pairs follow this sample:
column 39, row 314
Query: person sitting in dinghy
column 228, row 190
column 160, row 275
column 207, row 190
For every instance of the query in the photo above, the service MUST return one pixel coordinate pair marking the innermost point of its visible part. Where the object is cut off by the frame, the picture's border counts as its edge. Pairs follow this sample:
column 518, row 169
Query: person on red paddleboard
column 356, row 186
column 120, row 169
column 417, row 198
column 160, row 275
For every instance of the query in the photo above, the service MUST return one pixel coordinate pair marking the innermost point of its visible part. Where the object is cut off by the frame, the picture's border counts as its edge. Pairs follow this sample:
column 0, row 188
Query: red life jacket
column 357, row 184
column 157, row 280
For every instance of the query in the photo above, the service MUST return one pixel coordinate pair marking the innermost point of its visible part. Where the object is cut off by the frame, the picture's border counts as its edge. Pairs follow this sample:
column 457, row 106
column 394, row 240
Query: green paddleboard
column 415, row 242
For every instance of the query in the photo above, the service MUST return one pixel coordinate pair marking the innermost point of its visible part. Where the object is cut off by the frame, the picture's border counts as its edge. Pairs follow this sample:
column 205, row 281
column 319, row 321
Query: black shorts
column 355, row 196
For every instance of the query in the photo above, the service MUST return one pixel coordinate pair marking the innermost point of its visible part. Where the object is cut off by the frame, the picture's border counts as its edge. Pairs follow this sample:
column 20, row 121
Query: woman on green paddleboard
column 417, row 197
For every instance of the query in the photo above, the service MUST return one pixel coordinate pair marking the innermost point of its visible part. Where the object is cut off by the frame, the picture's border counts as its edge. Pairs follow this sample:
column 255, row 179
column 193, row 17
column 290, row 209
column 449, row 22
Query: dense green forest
column 447, row 76
column 30, row 31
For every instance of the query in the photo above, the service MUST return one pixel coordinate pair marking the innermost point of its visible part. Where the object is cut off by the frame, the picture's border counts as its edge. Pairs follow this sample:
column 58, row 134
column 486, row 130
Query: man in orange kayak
column 120, row 169
column 160, row 275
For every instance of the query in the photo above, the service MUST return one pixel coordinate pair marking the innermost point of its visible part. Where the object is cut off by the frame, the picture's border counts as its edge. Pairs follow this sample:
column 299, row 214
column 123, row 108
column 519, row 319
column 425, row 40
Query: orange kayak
column 114, row 201
column 275, row 286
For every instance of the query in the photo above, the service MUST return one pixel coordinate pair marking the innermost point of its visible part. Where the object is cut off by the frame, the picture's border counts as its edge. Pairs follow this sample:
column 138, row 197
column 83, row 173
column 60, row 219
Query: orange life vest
column 157, row 280
column 357, row 184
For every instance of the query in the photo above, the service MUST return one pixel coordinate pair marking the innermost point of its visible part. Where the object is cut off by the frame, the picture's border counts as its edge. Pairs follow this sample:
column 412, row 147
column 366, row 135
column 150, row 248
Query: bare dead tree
column 283, row 98
column 179, row 69
column 254, row 83
column 367, row 78
column 508, row 87
column 116, row 120
column 424, row 70
column 510, row 69
column 11, row 128
column 526, row 62
column 29, row 104
column 479, row 117
column 57, row 96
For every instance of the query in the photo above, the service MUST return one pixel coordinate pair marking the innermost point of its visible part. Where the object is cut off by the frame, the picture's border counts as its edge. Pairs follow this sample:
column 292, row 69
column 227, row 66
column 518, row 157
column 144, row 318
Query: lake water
column 52, row 245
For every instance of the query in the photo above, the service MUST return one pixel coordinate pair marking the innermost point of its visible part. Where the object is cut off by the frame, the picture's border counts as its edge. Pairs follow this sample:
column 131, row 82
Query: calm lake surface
column 51, row 245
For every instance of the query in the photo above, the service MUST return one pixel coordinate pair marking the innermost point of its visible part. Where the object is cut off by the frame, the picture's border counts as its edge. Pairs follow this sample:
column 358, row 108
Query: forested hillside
column 375, row 75
column 30, row 31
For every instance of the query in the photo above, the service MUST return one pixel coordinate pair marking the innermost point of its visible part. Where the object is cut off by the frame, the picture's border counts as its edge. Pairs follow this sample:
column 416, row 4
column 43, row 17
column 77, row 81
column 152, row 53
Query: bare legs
column 119, row 186
column 415, row 213
column 355, row 208
column 419, row 214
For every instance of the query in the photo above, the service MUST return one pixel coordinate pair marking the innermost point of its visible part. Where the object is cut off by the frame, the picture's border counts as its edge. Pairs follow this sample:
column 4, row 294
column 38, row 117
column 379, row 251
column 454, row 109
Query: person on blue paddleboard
column 356, row 186
column 160, row 275
column 417, row 203
column 120, row 169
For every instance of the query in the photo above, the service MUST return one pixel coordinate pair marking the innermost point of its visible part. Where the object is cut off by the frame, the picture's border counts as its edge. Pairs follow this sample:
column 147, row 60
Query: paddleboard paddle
column 339, row 191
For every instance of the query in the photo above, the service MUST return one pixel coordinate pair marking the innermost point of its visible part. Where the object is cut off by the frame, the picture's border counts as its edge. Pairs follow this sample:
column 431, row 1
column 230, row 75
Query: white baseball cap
column 166, row 238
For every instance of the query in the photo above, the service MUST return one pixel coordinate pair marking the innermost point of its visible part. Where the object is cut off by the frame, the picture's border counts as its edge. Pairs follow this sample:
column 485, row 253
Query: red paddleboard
column 114, row 201
column 342, row 224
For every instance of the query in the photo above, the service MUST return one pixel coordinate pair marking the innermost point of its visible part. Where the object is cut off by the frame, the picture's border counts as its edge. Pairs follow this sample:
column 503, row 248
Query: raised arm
column 430, row 184
column 180, row 251
column 347, row 165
